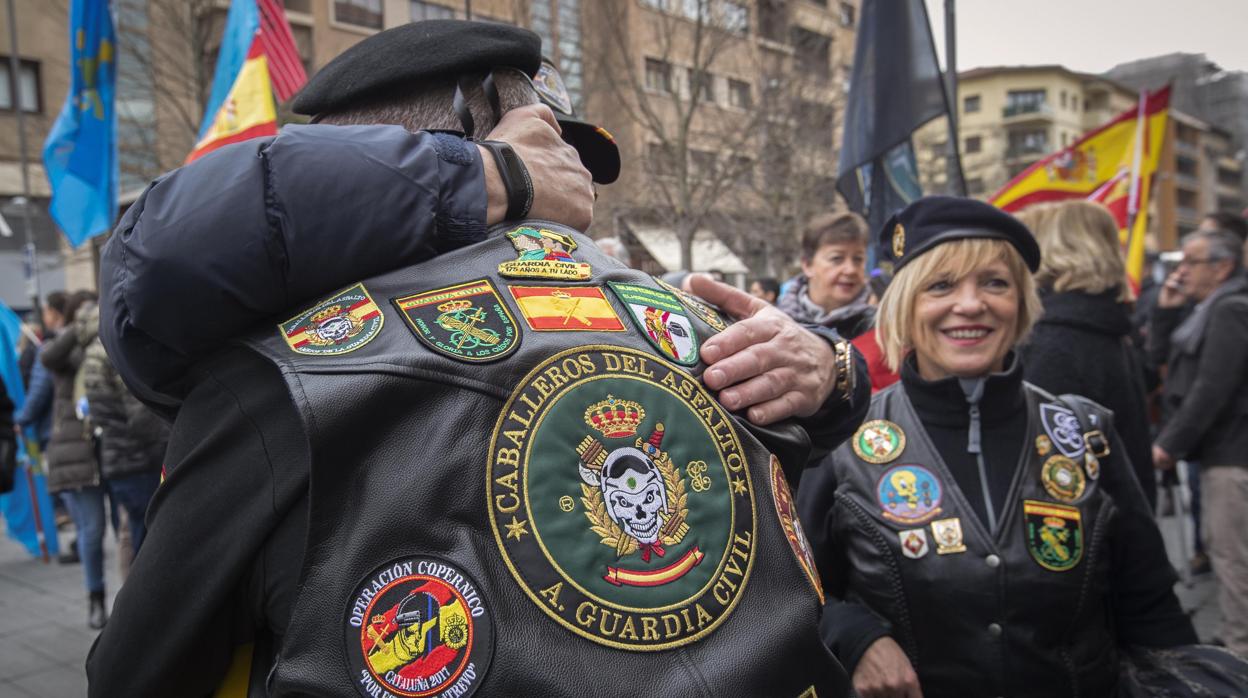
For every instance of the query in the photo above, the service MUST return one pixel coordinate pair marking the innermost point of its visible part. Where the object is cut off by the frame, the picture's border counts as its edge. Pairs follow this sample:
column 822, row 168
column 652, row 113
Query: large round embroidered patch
column 418, row 627
column 621, row 498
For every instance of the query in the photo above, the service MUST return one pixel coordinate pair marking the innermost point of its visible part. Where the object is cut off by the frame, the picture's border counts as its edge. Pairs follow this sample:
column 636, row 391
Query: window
column 26, row 86
column 742, row 170
column 847, row 15
column 1028, row 143
column 1063, row 100
column 361, row 13
column 304, row 6
column 735, row 16
column 702, row 164
column 739, row 94
column 974, row 144
column 701, row 85
column 659, row 160
column 428, row 10
column 813, row 52
column 975, row 186
column 970, row 104
column 1024, row 102
column 658, row 75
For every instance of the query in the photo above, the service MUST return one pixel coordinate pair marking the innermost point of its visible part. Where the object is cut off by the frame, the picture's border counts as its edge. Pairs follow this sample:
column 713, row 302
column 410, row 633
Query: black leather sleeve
column 236, row 466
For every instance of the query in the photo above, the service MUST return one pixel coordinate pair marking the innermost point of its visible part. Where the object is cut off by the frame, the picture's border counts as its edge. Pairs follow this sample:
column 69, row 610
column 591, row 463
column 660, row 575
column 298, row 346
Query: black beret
column 437, row 48
column 933, row 220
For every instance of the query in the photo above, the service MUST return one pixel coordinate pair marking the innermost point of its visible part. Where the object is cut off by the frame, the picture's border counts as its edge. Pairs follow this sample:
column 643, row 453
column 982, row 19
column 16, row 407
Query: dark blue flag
column 895, row 88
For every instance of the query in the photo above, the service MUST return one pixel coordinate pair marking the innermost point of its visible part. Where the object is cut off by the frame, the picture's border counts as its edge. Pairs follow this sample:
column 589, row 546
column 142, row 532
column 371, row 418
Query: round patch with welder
column 909, row 494
column 879, row 441
column 792, row 526
column 418, row 627
column 1062, row 478
column 621, row 498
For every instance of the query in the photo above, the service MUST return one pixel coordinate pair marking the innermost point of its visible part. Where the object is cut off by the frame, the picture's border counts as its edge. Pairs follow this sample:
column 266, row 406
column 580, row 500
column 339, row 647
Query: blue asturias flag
column 80, row 155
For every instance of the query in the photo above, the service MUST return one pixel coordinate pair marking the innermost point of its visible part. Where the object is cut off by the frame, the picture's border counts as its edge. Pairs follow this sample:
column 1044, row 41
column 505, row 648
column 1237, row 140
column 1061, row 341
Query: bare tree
column 697, row 153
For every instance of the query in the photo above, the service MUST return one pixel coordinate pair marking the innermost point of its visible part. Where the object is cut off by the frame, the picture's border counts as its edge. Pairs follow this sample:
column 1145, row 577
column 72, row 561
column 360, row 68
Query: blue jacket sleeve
column 38, row 397
column 213, row 248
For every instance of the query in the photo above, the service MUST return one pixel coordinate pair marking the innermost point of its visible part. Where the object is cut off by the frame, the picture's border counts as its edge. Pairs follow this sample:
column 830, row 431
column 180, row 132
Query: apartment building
column 1012, row 116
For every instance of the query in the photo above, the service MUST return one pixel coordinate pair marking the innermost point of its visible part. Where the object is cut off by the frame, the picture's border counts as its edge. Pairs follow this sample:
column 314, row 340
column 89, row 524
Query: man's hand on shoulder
column 563, row 190
column 765, row 363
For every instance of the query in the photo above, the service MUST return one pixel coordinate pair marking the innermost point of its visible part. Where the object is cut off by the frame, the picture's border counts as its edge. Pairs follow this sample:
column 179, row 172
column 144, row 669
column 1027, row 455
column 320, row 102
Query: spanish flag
column 1113, row 164
column 257, row 52
column 566, row 308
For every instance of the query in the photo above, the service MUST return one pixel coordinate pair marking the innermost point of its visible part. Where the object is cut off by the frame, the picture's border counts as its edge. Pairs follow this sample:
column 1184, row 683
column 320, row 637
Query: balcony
column 1027, row 151
column 1027, row 113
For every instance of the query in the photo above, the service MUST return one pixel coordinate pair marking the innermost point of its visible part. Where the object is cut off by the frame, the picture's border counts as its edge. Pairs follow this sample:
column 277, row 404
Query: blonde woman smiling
column 979, row 536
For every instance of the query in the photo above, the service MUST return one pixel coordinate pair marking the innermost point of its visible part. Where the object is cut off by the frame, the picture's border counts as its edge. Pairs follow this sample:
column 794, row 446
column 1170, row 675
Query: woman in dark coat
column 1082, row 342
column 73, row 471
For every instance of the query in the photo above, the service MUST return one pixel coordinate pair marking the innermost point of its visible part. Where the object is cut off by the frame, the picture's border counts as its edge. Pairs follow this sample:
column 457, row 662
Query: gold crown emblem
column 1054, row 522
column 327, row 313
column 615, row 419
column 454, row 305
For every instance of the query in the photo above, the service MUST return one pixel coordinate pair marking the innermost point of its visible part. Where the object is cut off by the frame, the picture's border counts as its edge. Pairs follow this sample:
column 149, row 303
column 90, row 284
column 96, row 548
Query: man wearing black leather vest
column 981, row 537
column 493, row 472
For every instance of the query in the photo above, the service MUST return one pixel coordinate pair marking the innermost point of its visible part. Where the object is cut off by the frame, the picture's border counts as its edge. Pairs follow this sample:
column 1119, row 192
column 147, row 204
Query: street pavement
column 44, row 637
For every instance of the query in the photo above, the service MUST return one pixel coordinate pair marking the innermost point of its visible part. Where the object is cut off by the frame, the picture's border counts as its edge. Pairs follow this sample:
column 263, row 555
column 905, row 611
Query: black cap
column 933, row 220
column 596, row 146
column 420, row 51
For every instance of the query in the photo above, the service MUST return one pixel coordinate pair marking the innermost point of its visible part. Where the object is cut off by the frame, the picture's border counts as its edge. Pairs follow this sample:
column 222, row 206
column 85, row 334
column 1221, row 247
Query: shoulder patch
column 661, row 319
column 543, row 254
column 468, row 321
column 418, row 627
column 703, row 311
column 1062, row 427
column 566, row 309
column 782, row 496
column 339, row 324
column 621, row 500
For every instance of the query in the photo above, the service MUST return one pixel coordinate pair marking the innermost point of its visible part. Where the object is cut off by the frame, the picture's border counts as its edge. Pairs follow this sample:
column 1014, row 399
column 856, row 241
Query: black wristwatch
column 515, row 178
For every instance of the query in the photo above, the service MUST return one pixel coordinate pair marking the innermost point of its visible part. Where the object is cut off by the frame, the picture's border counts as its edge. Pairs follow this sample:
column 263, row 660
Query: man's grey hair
column 428, row 106
column 1221, row 245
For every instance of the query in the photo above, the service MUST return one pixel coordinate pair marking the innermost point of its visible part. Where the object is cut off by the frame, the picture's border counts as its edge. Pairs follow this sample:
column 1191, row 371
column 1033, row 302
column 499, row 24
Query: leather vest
column 1022, row 613
column 519, row 487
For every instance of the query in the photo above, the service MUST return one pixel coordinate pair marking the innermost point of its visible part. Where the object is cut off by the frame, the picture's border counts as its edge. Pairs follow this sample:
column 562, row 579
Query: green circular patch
column 621, row 499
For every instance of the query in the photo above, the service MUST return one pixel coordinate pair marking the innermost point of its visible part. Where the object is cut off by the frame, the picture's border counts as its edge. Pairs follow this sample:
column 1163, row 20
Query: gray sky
column 1093, row 35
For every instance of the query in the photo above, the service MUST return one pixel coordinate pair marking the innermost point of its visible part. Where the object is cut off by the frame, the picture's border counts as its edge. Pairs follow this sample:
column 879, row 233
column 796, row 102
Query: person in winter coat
column 980, row 536
column 1082, row 342
column 832, row 289
column 36, row 412
column 132, row 438
column 72, row 468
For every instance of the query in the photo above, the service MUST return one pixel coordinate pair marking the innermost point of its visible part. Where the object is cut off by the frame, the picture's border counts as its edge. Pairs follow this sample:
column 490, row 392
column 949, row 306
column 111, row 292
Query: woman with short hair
column 980, row 536
column 1082, row 343
column 832, row 289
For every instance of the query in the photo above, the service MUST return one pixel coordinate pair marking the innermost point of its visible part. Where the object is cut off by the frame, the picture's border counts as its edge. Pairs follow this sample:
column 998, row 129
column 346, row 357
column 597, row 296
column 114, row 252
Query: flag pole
column 32, row 258
column 954, row 164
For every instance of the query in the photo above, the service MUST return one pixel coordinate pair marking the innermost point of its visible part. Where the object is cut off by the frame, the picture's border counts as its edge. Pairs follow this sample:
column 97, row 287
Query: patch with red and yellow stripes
column 566, row 309
column 339, row 324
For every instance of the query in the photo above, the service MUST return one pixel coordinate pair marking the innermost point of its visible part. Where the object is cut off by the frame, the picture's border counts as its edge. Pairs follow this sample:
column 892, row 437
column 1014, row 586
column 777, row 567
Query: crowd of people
column 430, row 457
column 98, row 442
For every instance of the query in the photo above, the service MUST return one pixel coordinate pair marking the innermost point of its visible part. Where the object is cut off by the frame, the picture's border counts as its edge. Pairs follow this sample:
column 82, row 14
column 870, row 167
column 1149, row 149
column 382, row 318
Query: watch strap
column 515, row 176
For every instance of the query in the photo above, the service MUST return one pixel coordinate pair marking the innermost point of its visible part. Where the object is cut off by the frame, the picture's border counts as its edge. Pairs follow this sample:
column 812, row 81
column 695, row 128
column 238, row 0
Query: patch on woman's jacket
column 621, row 499
column 1054, row 534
